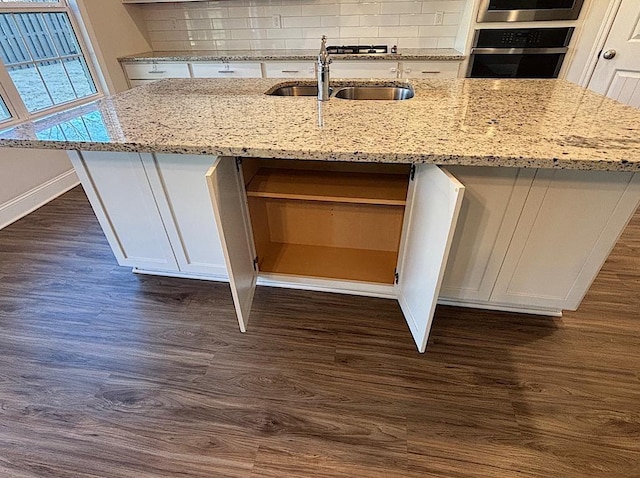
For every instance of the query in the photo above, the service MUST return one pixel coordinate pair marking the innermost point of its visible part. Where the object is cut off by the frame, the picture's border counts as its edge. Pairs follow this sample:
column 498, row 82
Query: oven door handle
column 517, row 51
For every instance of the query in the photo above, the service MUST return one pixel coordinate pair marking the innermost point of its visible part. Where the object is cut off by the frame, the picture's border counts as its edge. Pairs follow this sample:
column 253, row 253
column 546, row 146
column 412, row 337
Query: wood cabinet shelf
column 329, row 186
column 329, row 262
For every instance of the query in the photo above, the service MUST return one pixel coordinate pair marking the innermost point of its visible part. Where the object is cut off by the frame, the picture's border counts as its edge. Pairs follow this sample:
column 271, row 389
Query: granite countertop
column 513, row 123
column 425, row 54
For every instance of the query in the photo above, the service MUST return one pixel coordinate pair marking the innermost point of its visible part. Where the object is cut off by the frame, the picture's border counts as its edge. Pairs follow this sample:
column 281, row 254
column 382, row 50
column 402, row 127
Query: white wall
column 114, row 30
column 30, row 178
column 249, row 24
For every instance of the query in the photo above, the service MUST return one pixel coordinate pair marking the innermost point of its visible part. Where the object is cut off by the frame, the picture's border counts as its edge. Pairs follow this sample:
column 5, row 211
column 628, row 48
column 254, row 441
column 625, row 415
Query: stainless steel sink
column 374, row 93
column 349, row 92
column 299, row 90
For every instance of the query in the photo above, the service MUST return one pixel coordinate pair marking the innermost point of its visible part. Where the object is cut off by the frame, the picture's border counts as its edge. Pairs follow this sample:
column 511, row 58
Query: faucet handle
column 323, row 56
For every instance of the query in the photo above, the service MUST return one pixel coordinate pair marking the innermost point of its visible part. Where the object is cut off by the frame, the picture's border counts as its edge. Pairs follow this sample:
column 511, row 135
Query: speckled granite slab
column 414, row 54
column 513, row 123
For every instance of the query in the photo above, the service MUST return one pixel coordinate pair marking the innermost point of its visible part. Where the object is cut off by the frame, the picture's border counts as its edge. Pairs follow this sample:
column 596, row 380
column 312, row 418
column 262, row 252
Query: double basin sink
column 368, row 92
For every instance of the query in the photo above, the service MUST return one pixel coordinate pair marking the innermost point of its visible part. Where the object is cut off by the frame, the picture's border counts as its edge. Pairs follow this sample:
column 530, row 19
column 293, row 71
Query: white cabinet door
column 227, row 70
column 429, row 69
column 492, row 204
column 180, row 188
column 433, row 204
column 226, row 189
column 569, row 224
column 121, row 197
column 363, row 69
column 289, row 69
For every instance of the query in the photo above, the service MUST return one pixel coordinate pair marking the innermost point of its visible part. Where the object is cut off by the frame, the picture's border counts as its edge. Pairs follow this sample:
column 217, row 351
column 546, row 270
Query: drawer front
column 156, row 71
column 289, row 69
column 364, row 69
column 429, row 69
column 227, row 70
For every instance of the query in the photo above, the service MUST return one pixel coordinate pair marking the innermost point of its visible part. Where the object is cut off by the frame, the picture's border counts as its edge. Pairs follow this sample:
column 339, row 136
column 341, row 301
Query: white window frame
column 8, row 90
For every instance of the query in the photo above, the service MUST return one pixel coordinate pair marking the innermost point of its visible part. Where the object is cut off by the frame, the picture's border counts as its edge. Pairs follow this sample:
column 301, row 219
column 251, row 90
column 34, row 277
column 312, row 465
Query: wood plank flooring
column 106, row 373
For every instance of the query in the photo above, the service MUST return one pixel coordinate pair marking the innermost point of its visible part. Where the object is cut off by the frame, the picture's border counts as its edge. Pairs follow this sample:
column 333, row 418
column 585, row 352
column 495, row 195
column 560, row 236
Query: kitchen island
column 532, row 230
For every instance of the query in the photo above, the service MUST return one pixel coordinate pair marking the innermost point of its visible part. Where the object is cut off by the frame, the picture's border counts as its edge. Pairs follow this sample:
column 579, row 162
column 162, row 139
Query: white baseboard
column 28, row 202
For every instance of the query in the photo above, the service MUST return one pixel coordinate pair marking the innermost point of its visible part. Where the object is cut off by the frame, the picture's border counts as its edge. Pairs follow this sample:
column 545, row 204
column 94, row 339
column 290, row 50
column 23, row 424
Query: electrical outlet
column 277, row 21
column 439, row 19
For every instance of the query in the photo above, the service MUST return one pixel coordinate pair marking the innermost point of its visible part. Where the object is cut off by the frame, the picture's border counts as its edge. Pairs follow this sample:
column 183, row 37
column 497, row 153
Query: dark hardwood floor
column 106, row 373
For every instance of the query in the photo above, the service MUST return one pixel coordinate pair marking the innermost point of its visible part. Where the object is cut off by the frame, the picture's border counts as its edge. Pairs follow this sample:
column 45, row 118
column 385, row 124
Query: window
column 42, row 59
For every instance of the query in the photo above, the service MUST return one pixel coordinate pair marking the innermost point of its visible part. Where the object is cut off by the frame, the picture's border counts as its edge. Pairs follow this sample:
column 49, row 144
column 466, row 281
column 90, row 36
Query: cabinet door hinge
column 412, row 172
column 255, row 263
column 396, row 276
column 238, row 163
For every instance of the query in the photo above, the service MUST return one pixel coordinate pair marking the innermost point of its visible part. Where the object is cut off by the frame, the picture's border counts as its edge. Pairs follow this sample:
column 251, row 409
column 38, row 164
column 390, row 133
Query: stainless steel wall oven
column 518, row 52
column 528, row 10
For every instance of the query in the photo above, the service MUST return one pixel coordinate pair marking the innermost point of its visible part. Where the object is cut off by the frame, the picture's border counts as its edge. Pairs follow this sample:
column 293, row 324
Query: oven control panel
column 523, row 37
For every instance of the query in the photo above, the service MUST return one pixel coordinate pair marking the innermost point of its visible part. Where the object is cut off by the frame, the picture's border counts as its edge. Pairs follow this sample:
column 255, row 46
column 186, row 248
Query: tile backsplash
column 299, row 24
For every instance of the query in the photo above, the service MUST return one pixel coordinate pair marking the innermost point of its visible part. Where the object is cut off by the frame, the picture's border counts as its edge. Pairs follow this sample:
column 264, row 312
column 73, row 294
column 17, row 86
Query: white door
column 617, row 73
column 433, row 204
column 231, row 212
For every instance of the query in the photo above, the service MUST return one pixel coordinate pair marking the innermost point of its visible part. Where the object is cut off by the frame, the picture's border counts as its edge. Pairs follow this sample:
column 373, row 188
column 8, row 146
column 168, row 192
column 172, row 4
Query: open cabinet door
column 232, row 219
column 433, row 204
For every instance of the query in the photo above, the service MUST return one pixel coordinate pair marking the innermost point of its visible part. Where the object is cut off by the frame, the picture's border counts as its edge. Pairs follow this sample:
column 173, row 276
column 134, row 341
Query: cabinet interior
column 327, row 220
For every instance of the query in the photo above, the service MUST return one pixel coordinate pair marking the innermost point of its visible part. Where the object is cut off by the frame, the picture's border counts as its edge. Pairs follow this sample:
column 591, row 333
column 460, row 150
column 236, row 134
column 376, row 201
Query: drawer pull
column 290, row 71
column 226, row 71
column 434, row 72
column 158, row 71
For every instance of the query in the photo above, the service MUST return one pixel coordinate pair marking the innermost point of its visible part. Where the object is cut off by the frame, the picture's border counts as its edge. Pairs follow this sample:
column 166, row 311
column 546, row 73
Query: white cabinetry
column 289, row 69
column 120, row 194
column 364, row 69
column 493, row 202
column 570, row 222
column 181, row 194
column 429, row 69
column 139, row 73
column 329, row 197
column 155, row 211
column 239, row 69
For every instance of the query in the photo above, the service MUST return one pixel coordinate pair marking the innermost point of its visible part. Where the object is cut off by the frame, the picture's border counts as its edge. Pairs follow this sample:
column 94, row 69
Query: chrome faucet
column 323, row 71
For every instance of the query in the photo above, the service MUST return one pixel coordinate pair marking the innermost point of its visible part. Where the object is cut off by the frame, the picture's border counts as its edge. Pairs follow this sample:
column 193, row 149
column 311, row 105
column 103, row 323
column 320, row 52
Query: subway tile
column 358, row 32
column 400, row 7
column 248, row 34
column 203, row 44
column 418, row 42
column 302, row 44
column 284, row 33
column 379, row 20
column 331, row 32
column 229, row 23
column 195, row 14
column 442, row 6
column 322, row 9
column 201, row 24
column 266, row 44
column 170, row 45
column 359, row 8
column 340, row 21
column 285, row 11
column 400, row 32
column 292, row 22
column 446, row 42
column 260, row 22
column 451, row 19
column 418, row 19
column 233, row 45
column 438, row 31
